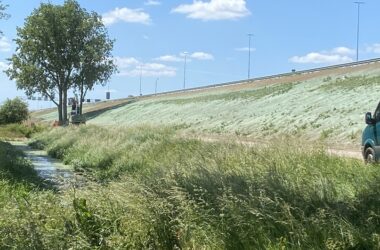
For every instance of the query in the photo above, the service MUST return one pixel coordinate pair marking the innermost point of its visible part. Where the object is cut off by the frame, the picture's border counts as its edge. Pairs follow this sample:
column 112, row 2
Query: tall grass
column 21, row 192
column 19, row 131
column 159, row 191
column 14, row 167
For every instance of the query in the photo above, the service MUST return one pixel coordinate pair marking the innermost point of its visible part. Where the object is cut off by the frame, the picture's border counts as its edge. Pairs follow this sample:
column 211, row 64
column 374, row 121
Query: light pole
column 358, row 30
column 184, row 71
column 140, row 78
column 155, row 89
column 249, row 55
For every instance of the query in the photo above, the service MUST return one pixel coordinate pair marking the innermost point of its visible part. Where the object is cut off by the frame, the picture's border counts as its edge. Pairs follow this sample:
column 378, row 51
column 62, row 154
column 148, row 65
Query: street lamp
column 184, row 71
column 358, row 30
column 140, row 78
column 249, row 55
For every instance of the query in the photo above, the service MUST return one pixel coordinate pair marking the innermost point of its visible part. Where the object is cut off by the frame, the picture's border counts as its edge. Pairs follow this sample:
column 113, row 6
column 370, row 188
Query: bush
column 13, row 111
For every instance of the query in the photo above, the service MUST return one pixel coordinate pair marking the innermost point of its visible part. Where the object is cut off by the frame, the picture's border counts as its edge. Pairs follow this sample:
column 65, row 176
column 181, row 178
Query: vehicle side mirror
column 368, row 118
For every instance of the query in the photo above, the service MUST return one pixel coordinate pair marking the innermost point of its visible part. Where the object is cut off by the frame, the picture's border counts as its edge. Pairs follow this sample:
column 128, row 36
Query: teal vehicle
column 371, row 137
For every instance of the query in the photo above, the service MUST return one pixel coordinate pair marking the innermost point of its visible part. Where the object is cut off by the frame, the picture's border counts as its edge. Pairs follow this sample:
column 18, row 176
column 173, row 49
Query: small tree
column 14, row 111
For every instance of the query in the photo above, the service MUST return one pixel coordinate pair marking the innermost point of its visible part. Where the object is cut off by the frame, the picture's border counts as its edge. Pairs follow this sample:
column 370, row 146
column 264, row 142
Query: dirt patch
column 346, row 151
column 296, row 77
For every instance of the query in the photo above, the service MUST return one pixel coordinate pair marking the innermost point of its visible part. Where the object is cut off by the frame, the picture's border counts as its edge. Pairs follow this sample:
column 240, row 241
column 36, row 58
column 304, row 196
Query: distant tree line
column 61, row 47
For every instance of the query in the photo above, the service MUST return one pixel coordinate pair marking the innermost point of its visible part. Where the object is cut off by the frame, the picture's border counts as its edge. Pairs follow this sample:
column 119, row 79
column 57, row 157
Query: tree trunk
column 81, row 106
column 64, row 105
column 83, row 93
column 60, row 117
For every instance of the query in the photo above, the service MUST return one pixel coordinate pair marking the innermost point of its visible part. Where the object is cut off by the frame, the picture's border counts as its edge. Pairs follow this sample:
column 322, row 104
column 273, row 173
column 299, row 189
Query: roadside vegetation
column 13, row 111
column 11, row 132
column 329, row 108
column 14, row 124
column 150, row 187
column 14, row 167
column 155, row 190
column 21, row 190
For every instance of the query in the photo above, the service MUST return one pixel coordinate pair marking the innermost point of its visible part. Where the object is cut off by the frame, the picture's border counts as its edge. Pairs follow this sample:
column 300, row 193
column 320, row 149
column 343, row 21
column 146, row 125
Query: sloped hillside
column 328, row 105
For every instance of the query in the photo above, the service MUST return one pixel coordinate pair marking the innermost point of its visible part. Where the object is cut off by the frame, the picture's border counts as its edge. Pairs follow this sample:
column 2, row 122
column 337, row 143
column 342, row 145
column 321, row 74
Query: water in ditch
column 51, row 170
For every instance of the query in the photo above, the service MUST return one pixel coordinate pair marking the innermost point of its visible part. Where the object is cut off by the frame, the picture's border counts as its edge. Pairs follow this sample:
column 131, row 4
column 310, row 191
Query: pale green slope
column 331, row 109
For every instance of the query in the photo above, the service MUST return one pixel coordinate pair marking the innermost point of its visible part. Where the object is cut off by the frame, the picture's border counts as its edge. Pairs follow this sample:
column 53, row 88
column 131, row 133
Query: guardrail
column 301, row 72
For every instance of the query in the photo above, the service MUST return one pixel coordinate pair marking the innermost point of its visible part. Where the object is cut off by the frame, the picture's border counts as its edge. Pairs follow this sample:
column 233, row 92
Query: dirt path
column 351, row 152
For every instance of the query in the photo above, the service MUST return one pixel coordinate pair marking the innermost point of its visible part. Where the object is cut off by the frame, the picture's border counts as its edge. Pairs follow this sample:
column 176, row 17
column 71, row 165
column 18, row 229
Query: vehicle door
column 377, row 129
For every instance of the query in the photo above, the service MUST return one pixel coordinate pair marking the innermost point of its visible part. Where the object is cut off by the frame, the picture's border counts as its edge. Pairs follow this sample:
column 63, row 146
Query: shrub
column 13, row 111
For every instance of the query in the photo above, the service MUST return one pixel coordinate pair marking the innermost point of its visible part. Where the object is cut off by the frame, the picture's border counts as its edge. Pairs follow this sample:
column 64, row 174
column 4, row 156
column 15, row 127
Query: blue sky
column 151, row 37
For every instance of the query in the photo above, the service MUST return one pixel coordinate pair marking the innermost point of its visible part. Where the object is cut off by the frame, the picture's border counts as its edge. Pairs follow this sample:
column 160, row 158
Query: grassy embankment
column 158, row 191
column 11, row 132
column 329, row 107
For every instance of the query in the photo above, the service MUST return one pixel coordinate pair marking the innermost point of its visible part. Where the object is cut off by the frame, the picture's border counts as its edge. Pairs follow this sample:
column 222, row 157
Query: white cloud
column 334, row 56
column 152, row 3
column 130, row 66
column 5, row 44
column 245, row 49
column 202, row 56
column 4, row 66
column 169, row 58
column 125, row 62
column 156, row 69
column 126, row 15
column 374, row 48
column 343, row 51
column 214, row 10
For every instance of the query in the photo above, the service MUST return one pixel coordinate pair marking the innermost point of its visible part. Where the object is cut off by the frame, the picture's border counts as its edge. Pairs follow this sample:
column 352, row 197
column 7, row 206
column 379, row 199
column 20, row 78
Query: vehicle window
column 377, row 114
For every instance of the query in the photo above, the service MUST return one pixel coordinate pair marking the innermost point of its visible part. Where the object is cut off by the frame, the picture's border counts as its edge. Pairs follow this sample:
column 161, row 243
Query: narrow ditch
column 48, row 168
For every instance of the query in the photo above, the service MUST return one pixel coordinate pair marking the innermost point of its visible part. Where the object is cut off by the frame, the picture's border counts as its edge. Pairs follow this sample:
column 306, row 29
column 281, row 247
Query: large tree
column 3, row 14
column 96, row 65
column 52, row 51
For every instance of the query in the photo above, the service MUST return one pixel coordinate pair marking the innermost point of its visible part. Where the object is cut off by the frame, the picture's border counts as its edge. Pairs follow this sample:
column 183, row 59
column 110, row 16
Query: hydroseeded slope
column 327, row 106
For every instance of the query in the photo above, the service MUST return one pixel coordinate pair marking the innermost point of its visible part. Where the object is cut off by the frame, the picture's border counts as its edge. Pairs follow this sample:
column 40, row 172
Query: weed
column 326, row 133
column 327, row 79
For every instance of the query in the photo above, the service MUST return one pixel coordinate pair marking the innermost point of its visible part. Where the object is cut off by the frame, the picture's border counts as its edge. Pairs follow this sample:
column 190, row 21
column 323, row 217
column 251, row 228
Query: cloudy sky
column 152, row 37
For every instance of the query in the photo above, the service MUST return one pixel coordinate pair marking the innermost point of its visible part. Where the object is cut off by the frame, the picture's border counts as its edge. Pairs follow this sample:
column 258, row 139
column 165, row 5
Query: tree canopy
column 61, row 47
